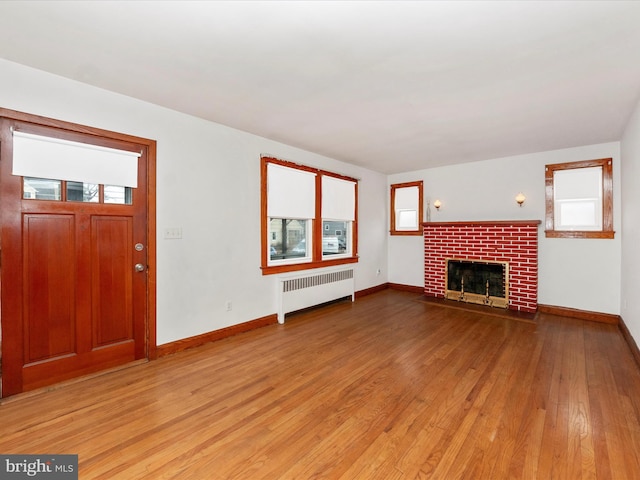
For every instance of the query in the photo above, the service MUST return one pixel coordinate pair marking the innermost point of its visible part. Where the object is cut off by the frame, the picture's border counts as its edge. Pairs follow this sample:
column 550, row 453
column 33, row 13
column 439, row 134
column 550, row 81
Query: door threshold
column 73, row 381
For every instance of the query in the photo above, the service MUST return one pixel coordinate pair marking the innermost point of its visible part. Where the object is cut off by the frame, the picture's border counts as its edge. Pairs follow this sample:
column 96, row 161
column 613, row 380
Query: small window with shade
column 406, row 208
column 579, row 199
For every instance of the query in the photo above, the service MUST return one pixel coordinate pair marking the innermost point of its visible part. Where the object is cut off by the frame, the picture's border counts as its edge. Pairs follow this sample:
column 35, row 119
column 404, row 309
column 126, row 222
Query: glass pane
column 335, row 237
column 116, row 194
column 41, row 189
column 406, row 220
column 83, row 192
column 578, row 215
column 288, row 239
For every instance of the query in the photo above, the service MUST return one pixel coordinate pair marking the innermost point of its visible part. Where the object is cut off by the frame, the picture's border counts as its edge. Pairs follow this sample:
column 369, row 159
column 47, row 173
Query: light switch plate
column 172, row 233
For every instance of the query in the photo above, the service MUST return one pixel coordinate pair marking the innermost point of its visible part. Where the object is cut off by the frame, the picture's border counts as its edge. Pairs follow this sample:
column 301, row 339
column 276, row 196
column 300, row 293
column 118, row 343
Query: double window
column 309, row 217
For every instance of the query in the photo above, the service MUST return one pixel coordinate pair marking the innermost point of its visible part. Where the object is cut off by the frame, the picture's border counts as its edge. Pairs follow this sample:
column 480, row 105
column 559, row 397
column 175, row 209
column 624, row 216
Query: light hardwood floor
column 390, row 387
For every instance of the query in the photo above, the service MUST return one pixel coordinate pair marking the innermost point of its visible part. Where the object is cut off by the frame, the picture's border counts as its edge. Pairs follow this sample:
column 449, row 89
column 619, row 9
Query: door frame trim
column 150, row 334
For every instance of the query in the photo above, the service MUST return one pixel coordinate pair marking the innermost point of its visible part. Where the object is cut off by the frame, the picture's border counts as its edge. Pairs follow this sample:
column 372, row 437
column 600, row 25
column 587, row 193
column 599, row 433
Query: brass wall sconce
column 437, row 204
column 520, row 198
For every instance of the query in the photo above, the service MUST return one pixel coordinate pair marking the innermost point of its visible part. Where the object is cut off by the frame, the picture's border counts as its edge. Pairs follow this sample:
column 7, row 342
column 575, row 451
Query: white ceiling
column 394, row 86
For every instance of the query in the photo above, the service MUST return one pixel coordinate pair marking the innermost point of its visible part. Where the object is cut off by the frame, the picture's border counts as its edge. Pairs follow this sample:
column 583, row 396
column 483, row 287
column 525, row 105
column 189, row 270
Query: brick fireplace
column 515, row 242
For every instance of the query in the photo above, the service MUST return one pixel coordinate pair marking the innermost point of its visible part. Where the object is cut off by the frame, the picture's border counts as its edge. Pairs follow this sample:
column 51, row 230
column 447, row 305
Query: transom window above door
column 69, row 191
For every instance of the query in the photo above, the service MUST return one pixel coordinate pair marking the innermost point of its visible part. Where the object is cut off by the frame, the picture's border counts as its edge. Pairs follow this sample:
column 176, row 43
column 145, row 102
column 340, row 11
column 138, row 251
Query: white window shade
column 577, row 183
column 338, row 199
column 407, row 198
column 45, row 157
column 291, row 192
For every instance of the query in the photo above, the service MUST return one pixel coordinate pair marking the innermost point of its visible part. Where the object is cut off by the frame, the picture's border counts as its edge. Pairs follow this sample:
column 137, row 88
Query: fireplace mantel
column 512, row 241
column 485, row 222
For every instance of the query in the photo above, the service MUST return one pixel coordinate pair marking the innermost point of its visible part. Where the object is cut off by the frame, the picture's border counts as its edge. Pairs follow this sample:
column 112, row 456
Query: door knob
column 139, row 267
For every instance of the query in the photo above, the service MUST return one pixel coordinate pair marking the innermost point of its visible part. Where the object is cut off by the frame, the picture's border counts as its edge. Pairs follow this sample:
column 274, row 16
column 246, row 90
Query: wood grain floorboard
column 388, row 387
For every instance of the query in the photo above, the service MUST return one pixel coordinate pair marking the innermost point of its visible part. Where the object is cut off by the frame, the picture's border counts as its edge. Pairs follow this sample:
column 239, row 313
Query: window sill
column 270, row 270
column 577, row 234
column 415, row 233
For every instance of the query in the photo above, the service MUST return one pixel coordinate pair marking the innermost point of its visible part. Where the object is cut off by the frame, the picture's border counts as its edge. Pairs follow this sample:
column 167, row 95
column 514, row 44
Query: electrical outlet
column 228, row 306
column 378, row 272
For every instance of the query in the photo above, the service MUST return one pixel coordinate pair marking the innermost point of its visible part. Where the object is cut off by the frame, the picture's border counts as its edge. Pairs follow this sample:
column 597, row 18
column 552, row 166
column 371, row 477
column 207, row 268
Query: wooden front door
column 75, row 256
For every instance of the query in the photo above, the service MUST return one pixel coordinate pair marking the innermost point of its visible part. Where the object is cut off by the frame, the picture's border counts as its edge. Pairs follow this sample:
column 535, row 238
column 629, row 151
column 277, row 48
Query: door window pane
column 118, row 195
column 83, row 192
column 41, row 189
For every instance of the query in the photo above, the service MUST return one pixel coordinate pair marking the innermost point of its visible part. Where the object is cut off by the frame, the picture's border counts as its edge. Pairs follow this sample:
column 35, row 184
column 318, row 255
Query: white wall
column 208, row 177
column 575, row 273
column 630, row 301
column 208, row 183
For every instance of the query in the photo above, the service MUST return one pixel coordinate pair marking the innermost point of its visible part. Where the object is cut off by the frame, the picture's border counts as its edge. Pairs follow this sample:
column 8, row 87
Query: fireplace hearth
column 476, row 281
column 510, row 242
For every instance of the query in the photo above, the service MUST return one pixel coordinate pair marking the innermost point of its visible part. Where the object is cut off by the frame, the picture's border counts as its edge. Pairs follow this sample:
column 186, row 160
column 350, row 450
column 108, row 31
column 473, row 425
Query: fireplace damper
column 477, row 281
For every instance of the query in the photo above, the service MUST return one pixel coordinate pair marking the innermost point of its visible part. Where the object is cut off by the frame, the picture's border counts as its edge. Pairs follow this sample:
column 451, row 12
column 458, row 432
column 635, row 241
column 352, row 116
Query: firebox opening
column 477, row 281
